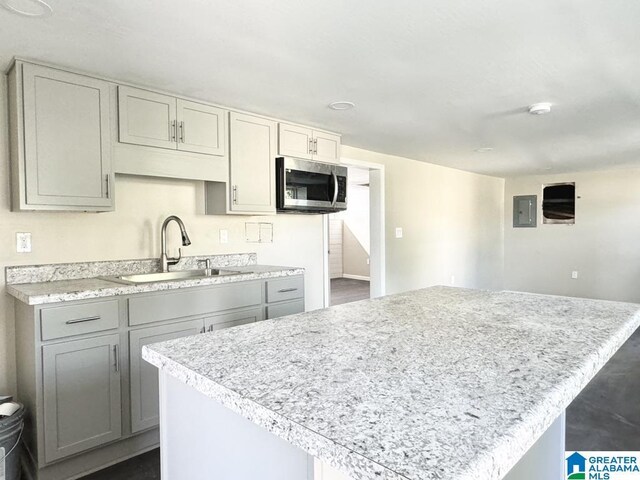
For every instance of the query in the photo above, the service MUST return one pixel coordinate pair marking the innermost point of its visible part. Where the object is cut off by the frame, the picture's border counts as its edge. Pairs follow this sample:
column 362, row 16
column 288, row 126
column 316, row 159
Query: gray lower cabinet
column 91, row 398
column 226, row 320
column 82, row 404
column 144, row 376
column 285, row 308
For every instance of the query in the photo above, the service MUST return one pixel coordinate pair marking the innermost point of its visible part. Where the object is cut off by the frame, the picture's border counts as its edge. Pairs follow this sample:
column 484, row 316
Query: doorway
column 354, row 239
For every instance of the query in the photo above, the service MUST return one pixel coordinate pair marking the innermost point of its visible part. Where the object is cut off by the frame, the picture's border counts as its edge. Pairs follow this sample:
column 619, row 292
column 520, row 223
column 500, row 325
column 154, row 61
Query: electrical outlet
column 453, row 279
column 23, row 242
column 368, row 261
column 224, row 236
column 398, row 232
column 574, row 274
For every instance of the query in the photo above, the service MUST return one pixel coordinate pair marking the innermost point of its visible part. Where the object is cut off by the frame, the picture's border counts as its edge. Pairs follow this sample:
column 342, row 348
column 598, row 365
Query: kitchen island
column 440, row 383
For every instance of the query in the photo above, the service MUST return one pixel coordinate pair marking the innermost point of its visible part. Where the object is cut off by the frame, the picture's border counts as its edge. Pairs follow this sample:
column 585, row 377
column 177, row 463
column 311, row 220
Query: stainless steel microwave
column 303, row 186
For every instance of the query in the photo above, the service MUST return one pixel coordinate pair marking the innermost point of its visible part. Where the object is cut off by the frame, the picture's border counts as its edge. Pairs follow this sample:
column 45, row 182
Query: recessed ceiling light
column 540, row 108
column 484, row 149
column 28, row 8
column 341, row 105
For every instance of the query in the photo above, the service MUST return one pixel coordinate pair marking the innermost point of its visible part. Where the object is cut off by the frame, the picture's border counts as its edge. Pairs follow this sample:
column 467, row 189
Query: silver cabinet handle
column 182, row 132
column 106, row 179
column 235, row 194
column 284, row 290
column 311, row 146
column 172, row 131
column 82, row 320
column 204, row 329
column 335, row 189
column 315, row 146
column 116, row 358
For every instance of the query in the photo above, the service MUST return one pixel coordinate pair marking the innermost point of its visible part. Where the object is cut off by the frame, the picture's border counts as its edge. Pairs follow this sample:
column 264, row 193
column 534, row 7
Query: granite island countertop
column 57, row 287
column 440, row 383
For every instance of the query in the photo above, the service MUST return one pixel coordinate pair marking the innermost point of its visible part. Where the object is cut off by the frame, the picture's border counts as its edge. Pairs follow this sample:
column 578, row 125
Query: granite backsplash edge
column 21, row 274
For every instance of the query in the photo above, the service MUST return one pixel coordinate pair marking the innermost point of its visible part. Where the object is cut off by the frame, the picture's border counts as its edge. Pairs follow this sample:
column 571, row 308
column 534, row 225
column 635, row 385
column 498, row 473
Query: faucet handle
column 207, row 265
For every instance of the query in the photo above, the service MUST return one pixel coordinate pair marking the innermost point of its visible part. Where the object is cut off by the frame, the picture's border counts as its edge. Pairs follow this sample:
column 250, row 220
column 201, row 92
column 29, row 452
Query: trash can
column 10, row 447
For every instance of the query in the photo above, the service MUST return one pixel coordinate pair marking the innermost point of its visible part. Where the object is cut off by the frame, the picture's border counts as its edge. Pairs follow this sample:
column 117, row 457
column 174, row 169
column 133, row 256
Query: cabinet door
column 294, row 141
column 82, row 407
column 326, row 147
column 234, row 319
column 200, row 128
column 252, row 161
column 66, row 139
column 144, row 376
column 146, row 118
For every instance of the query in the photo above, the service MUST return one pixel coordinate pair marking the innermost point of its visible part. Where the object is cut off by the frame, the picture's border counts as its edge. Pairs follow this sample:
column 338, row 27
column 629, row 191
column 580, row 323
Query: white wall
column 132, row 231
column 603, row 246
column 452, row 221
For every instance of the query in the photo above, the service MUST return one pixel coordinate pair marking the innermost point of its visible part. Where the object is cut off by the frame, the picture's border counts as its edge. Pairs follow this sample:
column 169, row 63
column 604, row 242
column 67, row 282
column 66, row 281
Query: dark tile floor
column 346, row 290
column 142, row 467
column 605, row 416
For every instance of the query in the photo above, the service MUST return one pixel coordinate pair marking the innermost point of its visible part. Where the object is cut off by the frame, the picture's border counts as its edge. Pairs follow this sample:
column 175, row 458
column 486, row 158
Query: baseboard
column 356, row 277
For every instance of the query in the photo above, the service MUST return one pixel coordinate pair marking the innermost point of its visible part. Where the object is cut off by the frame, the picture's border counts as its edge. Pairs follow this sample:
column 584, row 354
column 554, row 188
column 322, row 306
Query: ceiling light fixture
column 484, row 149
column 28, row 8
column 342, row 105
column 540, row 108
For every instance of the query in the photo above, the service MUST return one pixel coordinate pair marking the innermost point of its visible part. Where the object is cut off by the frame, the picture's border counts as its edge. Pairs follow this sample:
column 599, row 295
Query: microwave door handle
column 335, row 189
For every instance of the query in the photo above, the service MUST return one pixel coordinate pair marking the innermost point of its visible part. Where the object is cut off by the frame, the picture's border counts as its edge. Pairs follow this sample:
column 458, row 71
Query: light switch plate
column 398, row 232
column 224, row 236
column 23, row 242
column 574, row 274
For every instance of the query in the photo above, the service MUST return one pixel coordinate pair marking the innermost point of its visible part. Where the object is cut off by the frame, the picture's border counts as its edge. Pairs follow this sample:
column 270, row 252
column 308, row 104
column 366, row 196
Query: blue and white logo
column 602, row 465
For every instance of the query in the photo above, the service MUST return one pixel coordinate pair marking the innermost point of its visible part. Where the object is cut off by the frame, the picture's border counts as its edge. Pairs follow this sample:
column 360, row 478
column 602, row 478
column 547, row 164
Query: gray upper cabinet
column 82, row 405
column 302, row 142
column 295, row 141
column 144, row 376
column 60, row 140
column 252, row 164
column 156, row 120
column 146, row 118
column 326, row 147
column 200, row 128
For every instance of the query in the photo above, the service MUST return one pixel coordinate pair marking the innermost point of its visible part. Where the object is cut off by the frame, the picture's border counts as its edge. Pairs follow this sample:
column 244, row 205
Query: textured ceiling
column 432, row 80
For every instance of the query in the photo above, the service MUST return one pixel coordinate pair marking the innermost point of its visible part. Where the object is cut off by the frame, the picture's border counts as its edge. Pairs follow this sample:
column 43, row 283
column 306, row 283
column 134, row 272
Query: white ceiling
column 432, row 80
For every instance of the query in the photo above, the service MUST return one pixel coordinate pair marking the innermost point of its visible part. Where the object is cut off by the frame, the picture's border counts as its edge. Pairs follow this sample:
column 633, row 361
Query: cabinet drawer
column 286, row 288
column 57, row 322
column 287, row 308
column 188, row 302
column 227, row 320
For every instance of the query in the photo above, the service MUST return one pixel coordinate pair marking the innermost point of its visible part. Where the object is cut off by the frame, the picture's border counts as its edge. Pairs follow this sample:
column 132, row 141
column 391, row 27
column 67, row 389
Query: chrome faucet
column 164, row 259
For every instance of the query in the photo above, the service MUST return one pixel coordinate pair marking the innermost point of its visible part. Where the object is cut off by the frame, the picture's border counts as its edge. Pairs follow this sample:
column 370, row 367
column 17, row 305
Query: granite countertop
column 441, row 383
column 56, row 288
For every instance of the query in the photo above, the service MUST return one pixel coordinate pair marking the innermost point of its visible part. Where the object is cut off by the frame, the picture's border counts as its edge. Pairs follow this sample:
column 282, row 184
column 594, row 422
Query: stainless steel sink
column 170, row 276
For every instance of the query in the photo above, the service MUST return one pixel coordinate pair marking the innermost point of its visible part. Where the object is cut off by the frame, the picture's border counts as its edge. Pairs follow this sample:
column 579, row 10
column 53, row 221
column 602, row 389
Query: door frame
column 377, row 231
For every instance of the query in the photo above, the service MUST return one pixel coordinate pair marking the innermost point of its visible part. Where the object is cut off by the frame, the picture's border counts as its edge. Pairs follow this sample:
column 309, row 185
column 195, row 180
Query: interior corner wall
column 602, row 246
column 452, row 224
